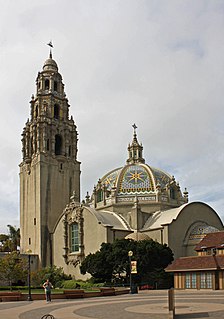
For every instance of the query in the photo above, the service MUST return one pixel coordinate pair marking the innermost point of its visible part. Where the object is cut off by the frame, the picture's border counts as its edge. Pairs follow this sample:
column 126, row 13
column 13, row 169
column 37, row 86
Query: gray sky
column 159, row 64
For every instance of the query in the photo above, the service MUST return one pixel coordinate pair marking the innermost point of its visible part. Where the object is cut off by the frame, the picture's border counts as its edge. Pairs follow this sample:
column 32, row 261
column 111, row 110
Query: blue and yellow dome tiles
column 136, row 177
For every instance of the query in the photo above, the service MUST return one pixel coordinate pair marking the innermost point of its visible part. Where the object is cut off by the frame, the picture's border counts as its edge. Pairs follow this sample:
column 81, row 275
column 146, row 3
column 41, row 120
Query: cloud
column 156, row 63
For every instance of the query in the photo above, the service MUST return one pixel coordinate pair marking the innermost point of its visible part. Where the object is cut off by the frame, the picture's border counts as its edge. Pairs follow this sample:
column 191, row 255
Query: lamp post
column 130, row 254
column 29, row 298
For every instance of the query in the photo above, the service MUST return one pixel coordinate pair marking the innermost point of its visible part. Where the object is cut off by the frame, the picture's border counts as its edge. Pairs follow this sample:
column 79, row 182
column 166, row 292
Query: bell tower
column 49, row 171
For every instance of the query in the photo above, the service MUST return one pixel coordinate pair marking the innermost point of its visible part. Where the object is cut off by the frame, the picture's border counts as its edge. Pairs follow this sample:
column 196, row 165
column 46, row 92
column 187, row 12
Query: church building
column 134, row 201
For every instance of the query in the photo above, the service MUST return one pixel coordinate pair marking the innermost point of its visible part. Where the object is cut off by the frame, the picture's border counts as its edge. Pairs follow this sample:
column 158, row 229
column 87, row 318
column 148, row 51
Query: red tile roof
column 197, row 263
column 212, row 240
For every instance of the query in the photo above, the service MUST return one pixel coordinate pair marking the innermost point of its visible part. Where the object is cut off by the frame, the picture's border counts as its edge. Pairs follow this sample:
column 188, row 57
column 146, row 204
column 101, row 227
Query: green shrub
column 71, row 284
column 55, row 274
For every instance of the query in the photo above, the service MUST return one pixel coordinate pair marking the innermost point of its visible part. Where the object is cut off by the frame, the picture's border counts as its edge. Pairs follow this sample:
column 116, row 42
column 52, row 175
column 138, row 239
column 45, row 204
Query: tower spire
column 135, row 149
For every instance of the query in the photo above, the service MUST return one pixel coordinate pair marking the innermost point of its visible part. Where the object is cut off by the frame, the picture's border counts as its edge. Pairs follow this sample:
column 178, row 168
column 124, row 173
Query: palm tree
column 14, row 237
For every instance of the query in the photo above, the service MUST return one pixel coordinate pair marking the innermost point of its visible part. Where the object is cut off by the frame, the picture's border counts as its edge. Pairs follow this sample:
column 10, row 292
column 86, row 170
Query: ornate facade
column 49, row 171
column 134, row 201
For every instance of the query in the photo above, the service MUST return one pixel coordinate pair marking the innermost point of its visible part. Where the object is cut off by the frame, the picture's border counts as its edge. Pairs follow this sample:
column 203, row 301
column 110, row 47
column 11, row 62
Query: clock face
column 135, row 179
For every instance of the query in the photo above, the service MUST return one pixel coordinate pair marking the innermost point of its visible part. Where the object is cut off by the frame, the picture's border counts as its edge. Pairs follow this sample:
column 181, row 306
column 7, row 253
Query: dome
column 137, row 236
column 50, row 65
column 137, row 179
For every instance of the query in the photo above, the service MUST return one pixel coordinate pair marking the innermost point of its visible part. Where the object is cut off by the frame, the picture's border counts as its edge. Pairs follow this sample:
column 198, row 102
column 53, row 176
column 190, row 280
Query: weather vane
column 134, row 127
column 51, row 46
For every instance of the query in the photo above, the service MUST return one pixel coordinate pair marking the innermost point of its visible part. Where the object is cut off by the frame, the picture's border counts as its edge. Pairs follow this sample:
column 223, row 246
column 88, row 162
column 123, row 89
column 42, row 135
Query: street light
column 130, row 254
column 29, row 298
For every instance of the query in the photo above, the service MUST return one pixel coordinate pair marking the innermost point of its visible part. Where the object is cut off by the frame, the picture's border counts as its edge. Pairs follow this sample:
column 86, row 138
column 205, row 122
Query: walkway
column 144, row 305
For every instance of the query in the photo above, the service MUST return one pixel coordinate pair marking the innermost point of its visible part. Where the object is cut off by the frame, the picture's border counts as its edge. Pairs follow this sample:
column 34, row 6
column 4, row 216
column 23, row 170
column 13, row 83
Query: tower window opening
column 56, row 111
column 36, row 110
column 46, row 84
column 34, row 221
column 69, row 151
column 38, row 85
column 29, row 241
column 55, row 86
column 58, row 145
column 31, row 146
column 48, row 144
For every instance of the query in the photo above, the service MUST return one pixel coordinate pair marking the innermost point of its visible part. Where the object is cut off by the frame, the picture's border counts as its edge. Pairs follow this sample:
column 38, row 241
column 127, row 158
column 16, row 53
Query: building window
column 34, row 221
column 56, row 111
column 74, row 237
column 55, row 86
column 206, row 280
column 48, row 143
column 191, row 280
column 29, row 241
column 99, row 196
column 69, row 151
column 46, row 84
column 58, row 145
column 36, row 110
column 172, row 193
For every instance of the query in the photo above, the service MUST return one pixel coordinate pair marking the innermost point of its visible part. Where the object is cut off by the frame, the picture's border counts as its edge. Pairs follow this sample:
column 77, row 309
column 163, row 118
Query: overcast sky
column 159, row 64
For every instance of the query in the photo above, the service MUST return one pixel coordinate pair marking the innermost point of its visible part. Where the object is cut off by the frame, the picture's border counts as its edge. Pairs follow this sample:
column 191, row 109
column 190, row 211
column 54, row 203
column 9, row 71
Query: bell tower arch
column 49, row 171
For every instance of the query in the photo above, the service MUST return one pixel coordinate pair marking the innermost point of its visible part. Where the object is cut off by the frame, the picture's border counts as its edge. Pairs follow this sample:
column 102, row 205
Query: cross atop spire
column 51, row 46
column 134, row 127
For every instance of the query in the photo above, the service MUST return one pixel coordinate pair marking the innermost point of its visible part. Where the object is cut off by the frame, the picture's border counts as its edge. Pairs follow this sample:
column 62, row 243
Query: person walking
column 47, row 288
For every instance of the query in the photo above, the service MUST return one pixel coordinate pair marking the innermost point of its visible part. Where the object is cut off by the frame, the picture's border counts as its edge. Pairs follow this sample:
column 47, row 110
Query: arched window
column 46, row 84
column 172, row 193
column 56, row 111
column 55, row 86
column 99, row 196
column 74, row 237
column 58, row 145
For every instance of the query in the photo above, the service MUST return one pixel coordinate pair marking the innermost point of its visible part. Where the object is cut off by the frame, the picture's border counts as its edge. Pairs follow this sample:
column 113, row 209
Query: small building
column 204, row 271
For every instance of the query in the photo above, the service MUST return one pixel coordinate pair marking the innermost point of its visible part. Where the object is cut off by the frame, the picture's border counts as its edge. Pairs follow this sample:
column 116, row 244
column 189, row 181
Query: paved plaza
column 144, row 305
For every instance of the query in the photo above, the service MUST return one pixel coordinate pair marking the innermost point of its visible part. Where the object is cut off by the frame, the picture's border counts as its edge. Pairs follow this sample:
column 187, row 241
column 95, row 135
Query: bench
column 74, row 293
column 107, row 291
column 10, row 296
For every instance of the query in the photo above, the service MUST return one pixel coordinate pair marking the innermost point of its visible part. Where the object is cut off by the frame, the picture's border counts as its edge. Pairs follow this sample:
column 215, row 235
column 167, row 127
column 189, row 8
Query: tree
column 111, row 261
column 55, row 274
column 13, row 268
column 11, row 241
column 14, row 236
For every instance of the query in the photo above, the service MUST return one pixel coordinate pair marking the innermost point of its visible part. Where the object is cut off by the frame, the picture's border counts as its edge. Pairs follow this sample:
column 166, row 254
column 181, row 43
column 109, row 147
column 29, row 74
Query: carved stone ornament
column 73, row 213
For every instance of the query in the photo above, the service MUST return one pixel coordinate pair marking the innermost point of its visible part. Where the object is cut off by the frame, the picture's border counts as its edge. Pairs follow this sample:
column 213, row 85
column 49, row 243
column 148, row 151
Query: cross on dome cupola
column 135, row 150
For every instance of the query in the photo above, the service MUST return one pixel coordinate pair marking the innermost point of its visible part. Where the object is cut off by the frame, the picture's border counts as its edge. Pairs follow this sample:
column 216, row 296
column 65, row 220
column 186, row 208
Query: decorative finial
column 73, row 196
column 134, row 127
column 51, row 46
